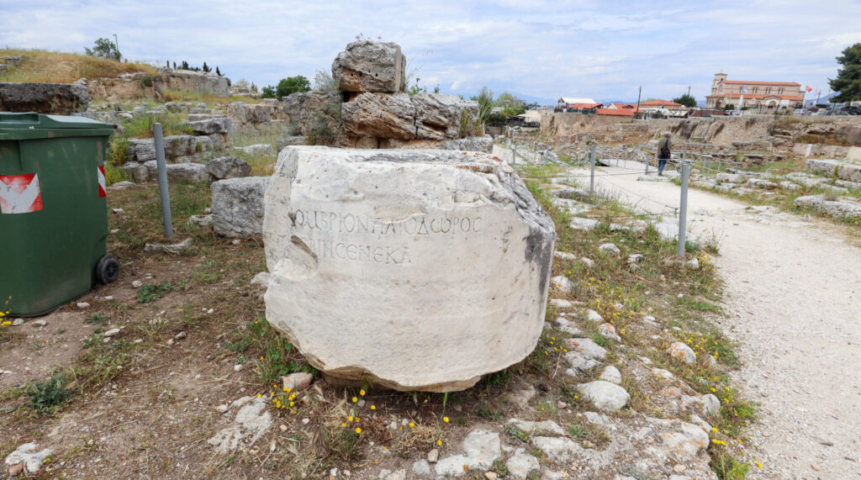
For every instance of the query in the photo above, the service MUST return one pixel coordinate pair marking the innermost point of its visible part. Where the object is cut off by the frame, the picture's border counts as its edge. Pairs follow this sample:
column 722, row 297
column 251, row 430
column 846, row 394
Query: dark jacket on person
column 661, row 143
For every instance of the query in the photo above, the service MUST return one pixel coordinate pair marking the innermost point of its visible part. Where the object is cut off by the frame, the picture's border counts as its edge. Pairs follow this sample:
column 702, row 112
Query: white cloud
column 543, row 49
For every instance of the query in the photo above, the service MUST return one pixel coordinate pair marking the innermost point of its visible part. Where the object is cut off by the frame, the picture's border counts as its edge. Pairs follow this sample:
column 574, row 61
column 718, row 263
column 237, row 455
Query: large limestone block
column 370, row 66
column 440, row 116
column 237, row 206
column 413, row 269
column 179, row 172
column 380, row 115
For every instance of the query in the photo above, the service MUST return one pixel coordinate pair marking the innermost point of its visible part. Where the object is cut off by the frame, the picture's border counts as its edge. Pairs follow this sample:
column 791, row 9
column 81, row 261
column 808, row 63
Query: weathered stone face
column 416, row 269
column 237, row 206
column 370, row 66
column 52, row 98
column 431, row 116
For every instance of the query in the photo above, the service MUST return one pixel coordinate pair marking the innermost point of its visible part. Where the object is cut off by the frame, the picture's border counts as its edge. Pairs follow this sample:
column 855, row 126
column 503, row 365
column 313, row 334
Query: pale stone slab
column 414, row 269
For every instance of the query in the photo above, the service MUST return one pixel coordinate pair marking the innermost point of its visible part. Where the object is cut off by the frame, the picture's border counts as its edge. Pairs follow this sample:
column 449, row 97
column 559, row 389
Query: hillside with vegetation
column 61, row 67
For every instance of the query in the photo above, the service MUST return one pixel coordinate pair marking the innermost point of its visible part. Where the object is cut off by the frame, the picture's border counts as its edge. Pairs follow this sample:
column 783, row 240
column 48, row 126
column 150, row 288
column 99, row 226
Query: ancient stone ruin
column 413, row 269
column 372, row 110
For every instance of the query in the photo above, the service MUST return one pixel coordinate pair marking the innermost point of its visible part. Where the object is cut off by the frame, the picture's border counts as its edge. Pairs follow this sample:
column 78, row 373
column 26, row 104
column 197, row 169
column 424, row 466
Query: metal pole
column 683, row 209
column 592, row 175
column 162, row 179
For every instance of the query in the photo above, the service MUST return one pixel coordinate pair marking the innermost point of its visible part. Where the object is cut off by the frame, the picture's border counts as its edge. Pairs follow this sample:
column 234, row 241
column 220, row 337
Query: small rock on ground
column 609, row 248
column 605, row 395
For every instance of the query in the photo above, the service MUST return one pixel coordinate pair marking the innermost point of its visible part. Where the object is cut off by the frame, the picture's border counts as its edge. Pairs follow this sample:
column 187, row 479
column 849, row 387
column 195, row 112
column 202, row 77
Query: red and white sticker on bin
column 100, row 171
column 20, row 193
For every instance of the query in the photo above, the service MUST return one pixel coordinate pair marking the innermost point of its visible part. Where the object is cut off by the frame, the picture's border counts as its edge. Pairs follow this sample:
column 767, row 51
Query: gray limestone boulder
column 370, row 66
column 211, row 125
column 179, row 172
column 227, row 167
column 177, row 148
column 237, row 206
column 138, row 172
column 469, row 144
column 440, row 116
column 245, row 114
column 302, row 111
column 835, row 168
column 429, row 116
column 845, row 207
column 51, row 98
column 381, row 116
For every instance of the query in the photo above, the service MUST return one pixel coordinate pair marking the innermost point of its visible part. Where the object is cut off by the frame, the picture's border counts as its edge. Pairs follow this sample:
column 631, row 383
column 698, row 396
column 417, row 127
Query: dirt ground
column 193, row 339
column 793, row 303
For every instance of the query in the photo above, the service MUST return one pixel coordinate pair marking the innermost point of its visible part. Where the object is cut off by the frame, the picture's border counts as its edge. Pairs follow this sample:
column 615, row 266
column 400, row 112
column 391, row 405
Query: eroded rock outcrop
column 50, row 98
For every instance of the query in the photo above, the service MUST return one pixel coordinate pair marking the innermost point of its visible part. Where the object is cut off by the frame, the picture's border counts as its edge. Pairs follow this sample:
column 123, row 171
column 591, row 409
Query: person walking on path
column 664, row 152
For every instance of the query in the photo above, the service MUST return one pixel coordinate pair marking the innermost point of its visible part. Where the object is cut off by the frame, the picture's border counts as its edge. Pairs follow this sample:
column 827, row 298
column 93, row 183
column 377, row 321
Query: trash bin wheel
column 108, row 269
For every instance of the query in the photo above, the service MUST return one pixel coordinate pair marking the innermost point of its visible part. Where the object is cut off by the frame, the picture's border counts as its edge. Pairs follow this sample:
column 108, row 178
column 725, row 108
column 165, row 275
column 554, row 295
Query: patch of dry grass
column 59, row 67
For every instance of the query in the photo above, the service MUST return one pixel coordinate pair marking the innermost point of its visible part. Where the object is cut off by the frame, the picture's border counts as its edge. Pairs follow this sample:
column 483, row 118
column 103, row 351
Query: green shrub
column 48, row 394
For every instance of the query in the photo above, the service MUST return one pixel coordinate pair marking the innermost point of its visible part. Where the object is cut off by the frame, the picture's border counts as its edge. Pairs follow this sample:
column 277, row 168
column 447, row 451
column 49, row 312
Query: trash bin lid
column 25, row 126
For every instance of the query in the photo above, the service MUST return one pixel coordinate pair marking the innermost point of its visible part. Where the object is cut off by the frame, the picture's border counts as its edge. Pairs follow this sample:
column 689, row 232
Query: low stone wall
column 777, row 132
column 139, row 85
column 843, row 170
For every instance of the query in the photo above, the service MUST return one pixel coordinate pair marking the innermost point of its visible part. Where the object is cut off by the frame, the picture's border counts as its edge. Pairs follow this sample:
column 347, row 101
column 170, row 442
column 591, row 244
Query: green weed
column 50, row 394
column 152, row 292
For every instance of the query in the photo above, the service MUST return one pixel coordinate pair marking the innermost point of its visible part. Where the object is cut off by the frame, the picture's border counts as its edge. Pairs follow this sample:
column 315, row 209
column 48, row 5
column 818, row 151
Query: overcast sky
column 541, row 49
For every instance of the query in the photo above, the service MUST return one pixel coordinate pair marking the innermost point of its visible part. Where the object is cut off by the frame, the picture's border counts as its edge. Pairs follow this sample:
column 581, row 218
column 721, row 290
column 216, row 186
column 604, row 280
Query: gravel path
column 793, row 304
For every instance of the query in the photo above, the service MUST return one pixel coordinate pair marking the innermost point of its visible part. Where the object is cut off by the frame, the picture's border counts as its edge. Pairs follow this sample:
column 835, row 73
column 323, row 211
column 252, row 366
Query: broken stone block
column 370, row 66
column 440, row 260
column 237, row 206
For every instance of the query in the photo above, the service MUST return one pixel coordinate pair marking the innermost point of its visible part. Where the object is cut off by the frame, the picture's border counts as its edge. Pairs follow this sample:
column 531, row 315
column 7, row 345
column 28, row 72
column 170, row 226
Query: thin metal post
column 592, row 174
column 683, row 209
column 163, row 189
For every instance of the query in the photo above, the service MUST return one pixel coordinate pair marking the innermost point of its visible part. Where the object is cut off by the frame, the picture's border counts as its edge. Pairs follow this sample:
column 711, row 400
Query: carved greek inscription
column 424, row 225
column 387, row 255
column 314, row 223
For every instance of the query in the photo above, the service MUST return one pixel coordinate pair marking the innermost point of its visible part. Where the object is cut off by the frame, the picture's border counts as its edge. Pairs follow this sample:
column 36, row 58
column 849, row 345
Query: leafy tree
column 167, row 63
column 508, row 100
column 848, row 81
column 686, row 100
column 217, row 71
column 511, row 105
column 174, row 65
column 268, row 92
column 104, row 48
column 291, row 85
column 728, row 107
column 206, row 68
column 184, row 65
column 286, row 87
column 253, row 87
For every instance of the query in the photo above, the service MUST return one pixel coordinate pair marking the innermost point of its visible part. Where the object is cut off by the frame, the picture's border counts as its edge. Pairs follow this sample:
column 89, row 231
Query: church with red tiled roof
column 754, row 94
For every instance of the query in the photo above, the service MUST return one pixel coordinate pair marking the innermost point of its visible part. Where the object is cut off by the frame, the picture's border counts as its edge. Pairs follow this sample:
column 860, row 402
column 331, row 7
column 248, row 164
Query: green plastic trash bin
column 53, row 211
